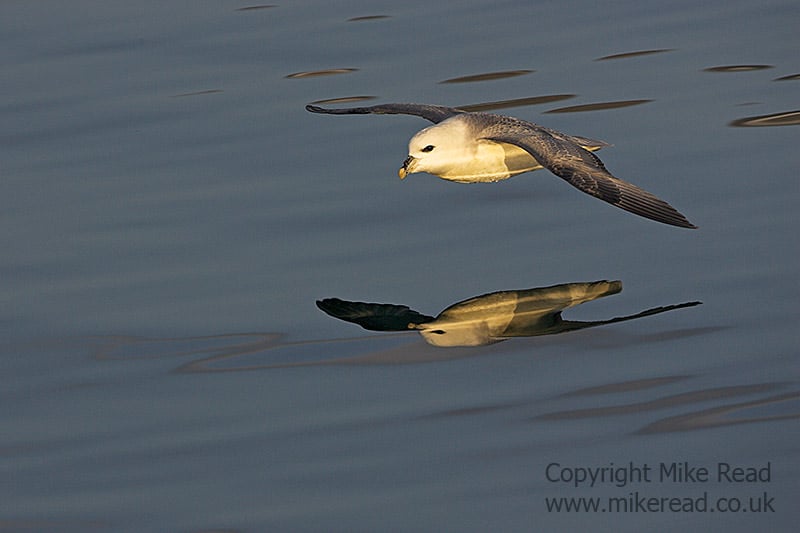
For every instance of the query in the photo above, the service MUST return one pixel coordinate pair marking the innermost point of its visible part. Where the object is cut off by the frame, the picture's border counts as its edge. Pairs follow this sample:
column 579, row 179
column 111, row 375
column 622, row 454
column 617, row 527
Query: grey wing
column 582, row 169
column 434, row 113
column 375, row 317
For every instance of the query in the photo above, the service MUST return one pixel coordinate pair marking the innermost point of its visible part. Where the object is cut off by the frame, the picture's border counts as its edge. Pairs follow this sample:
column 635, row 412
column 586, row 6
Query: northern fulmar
column 471, row 147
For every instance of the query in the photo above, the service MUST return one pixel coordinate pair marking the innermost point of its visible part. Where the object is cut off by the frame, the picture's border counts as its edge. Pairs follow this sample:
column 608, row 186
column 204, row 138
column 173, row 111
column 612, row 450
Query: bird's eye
column 438, row 331
column 428, row 148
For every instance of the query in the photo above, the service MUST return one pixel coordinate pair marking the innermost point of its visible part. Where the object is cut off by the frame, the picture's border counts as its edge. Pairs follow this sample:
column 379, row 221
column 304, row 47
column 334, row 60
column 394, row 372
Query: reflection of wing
column 375, row 317
column 434, row 113
column 481, row 307
column 538, row 311
column 581, row 169
column 520, row 313
column 571, row 325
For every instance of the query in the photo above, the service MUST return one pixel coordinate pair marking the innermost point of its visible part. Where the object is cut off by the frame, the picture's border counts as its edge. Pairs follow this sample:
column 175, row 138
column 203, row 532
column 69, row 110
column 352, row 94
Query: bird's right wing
column 434, row 113
column 582, row 169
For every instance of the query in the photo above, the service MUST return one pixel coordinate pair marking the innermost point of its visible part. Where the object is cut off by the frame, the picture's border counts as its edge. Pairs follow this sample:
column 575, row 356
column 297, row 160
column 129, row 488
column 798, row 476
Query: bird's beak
column 407, row 168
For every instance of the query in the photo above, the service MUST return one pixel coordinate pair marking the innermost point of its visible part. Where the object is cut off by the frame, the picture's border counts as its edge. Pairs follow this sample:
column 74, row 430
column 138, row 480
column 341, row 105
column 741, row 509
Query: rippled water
column 171, row 213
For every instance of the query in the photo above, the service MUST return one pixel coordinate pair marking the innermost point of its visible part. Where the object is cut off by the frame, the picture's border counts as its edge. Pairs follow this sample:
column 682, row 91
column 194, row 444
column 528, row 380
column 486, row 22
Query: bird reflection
column 489, row 318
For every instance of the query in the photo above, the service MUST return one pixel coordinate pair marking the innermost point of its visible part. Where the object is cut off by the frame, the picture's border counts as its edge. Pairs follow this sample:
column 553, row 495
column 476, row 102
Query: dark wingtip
column 686, row 224
column 326, row 304
column 668, row 215
column 314, row 109
column 671, row 216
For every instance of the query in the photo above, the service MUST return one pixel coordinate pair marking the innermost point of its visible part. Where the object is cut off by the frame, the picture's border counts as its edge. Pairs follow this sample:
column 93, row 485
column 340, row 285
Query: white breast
column 491, row 162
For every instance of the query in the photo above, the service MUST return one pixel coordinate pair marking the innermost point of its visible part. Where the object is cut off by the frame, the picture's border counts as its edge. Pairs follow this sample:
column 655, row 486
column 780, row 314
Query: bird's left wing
column 434, row 113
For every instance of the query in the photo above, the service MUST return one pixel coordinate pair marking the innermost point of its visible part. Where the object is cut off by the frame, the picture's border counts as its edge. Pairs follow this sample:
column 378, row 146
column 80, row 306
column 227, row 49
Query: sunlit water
column 170, row 214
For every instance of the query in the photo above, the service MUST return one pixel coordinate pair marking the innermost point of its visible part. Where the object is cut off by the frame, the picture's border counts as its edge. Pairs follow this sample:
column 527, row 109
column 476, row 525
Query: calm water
column 170, row 213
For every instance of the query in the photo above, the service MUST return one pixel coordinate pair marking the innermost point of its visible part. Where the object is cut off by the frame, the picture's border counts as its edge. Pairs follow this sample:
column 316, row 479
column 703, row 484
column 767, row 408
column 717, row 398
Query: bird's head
column 436, row 149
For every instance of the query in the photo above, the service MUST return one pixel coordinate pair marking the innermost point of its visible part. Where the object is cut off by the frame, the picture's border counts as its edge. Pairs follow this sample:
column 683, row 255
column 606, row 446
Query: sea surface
column 170, row 213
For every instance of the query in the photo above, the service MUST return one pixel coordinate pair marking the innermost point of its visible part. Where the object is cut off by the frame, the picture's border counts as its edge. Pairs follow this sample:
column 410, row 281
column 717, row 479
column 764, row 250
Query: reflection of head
column 455, row 333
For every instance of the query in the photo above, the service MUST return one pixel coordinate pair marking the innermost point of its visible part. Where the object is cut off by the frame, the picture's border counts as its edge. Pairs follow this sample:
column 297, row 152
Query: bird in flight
column 489, row 318
column 470, row 147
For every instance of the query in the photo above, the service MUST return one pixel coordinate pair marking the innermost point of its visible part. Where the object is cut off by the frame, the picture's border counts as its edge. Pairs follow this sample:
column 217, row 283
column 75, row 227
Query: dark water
column 170, row 213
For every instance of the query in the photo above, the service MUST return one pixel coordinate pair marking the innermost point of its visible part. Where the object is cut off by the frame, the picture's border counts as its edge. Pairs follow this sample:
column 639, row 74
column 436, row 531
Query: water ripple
column 517, row 102
column 599, row 106
column 368, row 17
column 255, row 8
column 324, row 72
column 197, row 93
column 626, row 55
column 729, row 415
column 122, row 347
column 663, row 402
column 784, row 406
column 737, row 68
column 627, row 386
column 488, row 76
column 787, row 118
column 344, row 100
